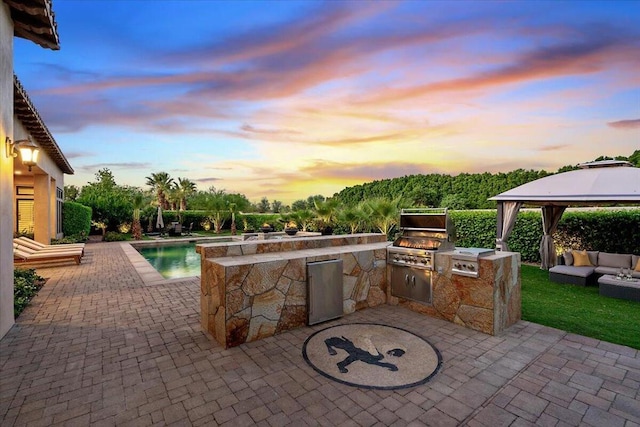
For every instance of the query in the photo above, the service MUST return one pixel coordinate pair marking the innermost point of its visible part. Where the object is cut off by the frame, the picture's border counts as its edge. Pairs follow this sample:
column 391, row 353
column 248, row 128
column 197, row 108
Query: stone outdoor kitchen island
column 489, row 303
column 251, row 290
column 254, row 289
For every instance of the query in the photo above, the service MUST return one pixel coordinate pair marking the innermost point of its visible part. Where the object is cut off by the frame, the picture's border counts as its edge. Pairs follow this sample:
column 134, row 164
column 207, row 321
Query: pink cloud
column 625, row 124
column 562, row 59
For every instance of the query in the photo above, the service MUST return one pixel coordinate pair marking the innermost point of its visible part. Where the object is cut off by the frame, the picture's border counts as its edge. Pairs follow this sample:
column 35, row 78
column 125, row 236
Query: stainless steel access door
column 411, row 283
column 324, row 290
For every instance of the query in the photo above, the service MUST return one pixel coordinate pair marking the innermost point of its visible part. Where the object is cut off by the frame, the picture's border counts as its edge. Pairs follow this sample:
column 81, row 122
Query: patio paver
column 100, row 346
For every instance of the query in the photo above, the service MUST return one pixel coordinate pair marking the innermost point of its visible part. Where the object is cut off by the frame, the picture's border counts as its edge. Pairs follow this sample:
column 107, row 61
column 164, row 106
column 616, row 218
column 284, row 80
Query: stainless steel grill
column 423, row 232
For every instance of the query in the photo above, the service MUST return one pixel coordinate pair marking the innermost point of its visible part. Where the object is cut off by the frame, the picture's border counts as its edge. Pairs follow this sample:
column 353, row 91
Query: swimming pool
column 173, row 261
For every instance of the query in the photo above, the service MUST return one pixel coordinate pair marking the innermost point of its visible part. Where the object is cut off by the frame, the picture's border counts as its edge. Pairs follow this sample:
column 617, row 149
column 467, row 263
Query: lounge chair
column 18, row 244
column 20, row 256
column 188, row 231
column 38, row 245
column 28, row 244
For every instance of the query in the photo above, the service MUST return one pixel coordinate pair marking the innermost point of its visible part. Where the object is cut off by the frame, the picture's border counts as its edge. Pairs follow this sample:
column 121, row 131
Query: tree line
column 463, row 191
column 372, row 206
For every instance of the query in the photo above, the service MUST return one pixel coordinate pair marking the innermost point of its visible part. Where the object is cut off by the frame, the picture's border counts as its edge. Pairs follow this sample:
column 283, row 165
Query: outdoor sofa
column 601, row 263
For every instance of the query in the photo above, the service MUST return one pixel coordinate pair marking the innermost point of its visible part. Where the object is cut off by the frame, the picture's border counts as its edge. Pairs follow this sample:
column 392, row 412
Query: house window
column 24, row 191
column 25, row 216
column 59, row 208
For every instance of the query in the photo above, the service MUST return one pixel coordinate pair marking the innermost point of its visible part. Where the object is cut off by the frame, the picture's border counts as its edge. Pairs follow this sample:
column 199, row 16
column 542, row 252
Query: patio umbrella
column 160, row 221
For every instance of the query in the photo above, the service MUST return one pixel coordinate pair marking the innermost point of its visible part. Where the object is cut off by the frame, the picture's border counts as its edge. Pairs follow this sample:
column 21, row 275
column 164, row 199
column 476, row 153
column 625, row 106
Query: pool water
column 173, row 261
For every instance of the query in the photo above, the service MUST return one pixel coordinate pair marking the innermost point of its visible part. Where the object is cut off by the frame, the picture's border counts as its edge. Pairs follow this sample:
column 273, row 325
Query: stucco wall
column 44, row 179
column 6, row 170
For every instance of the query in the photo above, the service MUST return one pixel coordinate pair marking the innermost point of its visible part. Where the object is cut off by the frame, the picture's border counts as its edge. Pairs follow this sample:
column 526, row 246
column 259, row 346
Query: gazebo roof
column 596, row 182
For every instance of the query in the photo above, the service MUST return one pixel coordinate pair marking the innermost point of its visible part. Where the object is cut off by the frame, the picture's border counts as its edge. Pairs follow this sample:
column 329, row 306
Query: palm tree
column 303, row 218
column 354, row 217
column 161, row 183
column 233, row 208
column 138, row 203
column 325, row 213
column 186, row 188
column 173, row 197
column 216, row 207
column 383, row 213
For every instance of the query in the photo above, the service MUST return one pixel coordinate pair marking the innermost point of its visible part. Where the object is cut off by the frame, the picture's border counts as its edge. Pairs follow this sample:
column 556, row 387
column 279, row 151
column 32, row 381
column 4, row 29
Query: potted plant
column 266, row 228
column 291, row 228
column 325, row 214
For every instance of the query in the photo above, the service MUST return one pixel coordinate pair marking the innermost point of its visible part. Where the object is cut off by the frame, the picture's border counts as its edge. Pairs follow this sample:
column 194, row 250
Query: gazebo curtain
column 509, row 213
column 550, row 218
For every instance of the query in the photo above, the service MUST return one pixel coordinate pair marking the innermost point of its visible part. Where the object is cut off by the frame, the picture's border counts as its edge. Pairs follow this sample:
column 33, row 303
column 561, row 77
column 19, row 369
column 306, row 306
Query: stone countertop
column 289, row 238
column 230, row 261
column 497, row 255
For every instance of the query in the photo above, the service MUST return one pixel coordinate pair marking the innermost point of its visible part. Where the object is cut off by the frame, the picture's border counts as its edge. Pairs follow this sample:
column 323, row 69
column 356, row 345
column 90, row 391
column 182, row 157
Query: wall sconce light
column 28, row 151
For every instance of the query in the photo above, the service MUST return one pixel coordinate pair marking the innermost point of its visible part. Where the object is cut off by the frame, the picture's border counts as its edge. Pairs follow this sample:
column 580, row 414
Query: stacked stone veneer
column 490, row 303
column 252, row 290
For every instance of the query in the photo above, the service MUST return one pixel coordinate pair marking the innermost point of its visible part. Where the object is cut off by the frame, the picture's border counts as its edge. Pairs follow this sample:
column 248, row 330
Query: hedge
column 76, row 219
column 604, row 231
column 616, row 231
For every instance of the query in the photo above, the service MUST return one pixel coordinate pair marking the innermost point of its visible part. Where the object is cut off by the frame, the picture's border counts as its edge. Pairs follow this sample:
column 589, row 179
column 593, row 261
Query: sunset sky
column 288, row 99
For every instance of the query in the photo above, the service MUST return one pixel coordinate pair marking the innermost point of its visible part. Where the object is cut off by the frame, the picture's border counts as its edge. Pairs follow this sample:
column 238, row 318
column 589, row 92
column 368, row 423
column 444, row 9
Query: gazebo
column 595, row 183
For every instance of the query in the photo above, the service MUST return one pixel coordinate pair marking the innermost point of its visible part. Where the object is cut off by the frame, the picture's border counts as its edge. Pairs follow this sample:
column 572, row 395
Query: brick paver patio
column 100, row 346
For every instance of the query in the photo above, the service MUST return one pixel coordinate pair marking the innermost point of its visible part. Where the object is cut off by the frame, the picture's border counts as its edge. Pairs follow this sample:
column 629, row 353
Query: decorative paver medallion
column 370, row 355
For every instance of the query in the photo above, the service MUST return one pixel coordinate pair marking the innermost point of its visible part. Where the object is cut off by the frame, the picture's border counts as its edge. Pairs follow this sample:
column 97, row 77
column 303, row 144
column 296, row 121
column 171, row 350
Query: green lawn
column 578, row 309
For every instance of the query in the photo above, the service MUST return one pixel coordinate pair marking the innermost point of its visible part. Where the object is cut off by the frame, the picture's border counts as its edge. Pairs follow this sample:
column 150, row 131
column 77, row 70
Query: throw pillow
column 581, row 259
column 568, row 258
column 637, row 266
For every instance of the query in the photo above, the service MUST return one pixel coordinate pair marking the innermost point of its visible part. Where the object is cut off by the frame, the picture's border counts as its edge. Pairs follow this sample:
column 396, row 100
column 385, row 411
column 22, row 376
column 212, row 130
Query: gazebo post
column 499, row 222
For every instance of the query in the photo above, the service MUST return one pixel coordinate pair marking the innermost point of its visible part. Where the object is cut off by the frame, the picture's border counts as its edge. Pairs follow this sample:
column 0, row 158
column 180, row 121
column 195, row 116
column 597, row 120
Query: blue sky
column 288, row 99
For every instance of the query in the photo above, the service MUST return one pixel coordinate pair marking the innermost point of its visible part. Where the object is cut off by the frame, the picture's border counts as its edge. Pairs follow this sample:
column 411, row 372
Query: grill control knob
column 472, row 267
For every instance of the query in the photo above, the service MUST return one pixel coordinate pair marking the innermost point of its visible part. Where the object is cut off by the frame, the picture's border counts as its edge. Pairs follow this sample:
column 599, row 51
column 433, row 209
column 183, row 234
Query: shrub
column 78, row 238
column 76, row 219
column 26, row 284
column 113, row 236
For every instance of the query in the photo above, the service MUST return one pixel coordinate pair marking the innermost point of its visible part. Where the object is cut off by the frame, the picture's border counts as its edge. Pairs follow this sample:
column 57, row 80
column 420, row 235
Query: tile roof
column 35, row 20
column 26, row 112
